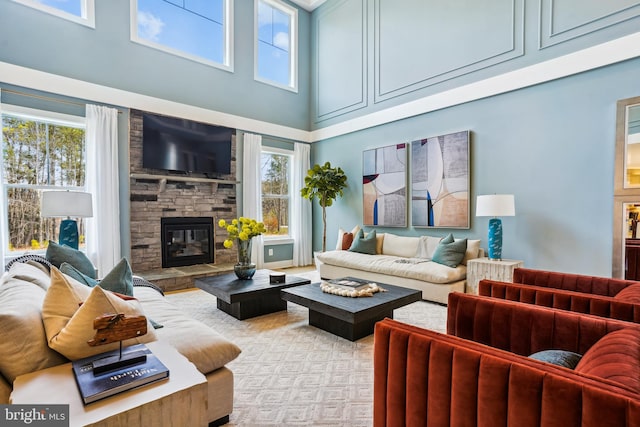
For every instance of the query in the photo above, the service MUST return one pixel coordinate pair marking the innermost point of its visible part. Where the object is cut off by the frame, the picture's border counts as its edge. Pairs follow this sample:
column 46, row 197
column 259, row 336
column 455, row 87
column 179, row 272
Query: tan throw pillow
column 63, row 298
column 71, row 339
column 23, row 342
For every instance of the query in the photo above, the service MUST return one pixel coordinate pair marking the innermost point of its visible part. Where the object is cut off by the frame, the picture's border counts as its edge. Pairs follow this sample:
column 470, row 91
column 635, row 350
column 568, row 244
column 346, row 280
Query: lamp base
column 69, row 233
column 495, row 239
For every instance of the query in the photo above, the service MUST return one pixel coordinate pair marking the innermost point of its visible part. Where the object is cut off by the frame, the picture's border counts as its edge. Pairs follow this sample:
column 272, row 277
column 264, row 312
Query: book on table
column 94, row 387
column 350, row 283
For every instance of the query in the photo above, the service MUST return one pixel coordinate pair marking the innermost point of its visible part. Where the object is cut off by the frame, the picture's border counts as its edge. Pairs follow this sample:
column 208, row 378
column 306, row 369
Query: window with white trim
column 78, row 11
column 276, row 44
column 275, row 170
column 41, row 150
column 200, row 30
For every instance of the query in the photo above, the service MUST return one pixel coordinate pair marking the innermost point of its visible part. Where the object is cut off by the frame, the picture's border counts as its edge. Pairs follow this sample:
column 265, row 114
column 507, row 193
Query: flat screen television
column 181, row 145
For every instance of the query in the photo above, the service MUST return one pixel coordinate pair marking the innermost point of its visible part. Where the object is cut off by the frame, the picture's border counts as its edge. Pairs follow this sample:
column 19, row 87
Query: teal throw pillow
column 119, row 279
column 450, row 252
column 57, row 254
column 364, row 245
column 568, row 359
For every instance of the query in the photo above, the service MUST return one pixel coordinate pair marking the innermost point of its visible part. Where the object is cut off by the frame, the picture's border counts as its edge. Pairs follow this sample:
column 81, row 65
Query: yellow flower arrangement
column 241, row 228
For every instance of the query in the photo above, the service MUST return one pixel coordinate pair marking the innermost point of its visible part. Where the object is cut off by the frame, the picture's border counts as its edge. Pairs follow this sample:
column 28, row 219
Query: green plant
column 324, row 183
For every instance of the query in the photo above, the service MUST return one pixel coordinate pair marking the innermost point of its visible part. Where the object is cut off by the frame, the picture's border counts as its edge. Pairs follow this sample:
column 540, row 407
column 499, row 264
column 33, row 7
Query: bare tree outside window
column 275, row 193
column 38, row 155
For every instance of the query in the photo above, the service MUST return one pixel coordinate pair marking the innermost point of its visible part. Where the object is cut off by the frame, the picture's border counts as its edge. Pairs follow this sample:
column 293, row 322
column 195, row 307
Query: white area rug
column 290, row 373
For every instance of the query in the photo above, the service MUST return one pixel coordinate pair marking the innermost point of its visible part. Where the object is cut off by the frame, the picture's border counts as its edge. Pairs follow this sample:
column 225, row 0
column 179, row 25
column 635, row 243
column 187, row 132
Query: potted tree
column 326, row 183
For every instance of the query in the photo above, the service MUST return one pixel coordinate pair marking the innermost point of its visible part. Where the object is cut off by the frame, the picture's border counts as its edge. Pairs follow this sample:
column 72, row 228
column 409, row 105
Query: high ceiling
column 308, row 4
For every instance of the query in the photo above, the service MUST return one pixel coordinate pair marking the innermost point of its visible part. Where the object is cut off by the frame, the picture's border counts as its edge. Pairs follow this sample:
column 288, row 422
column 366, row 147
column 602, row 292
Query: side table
column 179, row 401
column 484, row 268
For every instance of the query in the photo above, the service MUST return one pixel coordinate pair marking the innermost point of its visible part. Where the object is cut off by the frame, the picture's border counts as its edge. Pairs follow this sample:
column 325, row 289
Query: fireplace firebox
column 186, row 241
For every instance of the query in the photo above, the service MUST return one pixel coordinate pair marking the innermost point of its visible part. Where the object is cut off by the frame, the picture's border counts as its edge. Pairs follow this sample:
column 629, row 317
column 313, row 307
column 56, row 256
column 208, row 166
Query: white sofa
column 24, row 348
column 395, row 263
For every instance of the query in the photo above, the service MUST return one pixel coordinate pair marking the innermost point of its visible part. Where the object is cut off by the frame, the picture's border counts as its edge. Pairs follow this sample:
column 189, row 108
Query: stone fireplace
column 156, row 195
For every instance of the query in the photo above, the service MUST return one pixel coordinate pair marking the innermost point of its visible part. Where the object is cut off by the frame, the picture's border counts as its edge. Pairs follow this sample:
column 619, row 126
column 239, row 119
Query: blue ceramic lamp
column 495, row 205
column 67, row 204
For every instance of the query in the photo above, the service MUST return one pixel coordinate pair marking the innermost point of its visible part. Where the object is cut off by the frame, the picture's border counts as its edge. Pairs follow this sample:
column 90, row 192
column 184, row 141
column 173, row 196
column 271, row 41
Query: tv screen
column 182, row 145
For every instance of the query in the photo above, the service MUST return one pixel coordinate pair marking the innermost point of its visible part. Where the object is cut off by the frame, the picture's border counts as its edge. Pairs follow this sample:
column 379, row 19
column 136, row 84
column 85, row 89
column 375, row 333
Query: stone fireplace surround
column 152, row 198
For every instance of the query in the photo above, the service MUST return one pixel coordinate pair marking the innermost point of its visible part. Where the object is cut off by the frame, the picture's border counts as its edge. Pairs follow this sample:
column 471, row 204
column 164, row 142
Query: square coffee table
column 350, row 318
column 244, row 299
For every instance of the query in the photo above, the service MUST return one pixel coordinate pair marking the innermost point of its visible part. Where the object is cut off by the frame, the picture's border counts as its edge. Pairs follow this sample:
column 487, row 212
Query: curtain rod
column 46, row 98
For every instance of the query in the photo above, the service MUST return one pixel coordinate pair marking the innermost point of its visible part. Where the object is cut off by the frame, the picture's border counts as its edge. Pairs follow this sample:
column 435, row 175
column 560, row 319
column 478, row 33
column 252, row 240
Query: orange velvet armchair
column 600, row 296
column 478, row 374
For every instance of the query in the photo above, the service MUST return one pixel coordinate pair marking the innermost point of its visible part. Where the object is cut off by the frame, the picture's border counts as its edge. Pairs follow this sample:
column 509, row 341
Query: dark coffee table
column 350, row 318
column 243, row 299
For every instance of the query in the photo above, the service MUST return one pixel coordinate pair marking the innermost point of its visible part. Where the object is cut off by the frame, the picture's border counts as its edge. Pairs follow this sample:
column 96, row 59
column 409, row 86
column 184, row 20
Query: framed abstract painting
column 384, row 182
column 440, row 181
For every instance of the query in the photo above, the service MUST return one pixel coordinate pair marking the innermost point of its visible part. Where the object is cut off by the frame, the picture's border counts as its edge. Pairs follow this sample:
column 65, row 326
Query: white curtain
column 103, row 230
column 252, row 190
column 300, row 207
column 4, row 238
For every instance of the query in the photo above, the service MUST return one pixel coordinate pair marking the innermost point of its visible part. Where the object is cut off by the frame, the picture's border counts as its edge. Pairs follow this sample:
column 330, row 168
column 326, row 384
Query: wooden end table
column 244, row 299
column 350, row 318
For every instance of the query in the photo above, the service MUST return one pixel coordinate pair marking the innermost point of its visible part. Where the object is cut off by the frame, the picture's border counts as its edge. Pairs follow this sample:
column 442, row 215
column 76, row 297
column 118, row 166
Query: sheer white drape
column 103, row 230
column 300, row 207
column 252, row 190
column 4, row 238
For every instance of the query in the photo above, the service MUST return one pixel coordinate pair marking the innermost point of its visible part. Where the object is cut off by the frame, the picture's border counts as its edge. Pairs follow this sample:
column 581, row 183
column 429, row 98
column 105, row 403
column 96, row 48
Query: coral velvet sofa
column 478, row 374
column 600, row 296
column 398, row 262
column 24, row 347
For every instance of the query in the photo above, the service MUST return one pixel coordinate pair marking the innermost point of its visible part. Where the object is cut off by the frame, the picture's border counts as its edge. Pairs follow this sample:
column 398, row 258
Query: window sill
column 272, row 241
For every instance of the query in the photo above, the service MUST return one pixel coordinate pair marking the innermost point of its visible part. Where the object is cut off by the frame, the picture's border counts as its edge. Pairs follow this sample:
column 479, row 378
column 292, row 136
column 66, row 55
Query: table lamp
column 495, row 205
column 67, row 204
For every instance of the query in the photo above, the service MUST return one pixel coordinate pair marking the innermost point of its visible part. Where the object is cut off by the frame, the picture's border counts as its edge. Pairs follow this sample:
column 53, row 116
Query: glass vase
column 244, row 269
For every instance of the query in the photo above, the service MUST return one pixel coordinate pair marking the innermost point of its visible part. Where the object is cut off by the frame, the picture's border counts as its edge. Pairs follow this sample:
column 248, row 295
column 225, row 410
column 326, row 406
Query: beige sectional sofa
column 403, row 261
column 24, row 347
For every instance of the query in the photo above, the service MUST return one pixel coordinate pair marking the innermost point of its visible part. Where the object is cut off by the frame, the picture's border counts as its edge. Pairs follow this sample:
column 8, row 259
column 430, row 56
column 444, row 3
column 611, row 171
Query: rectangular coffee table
column 244, row 299
column 350, row 318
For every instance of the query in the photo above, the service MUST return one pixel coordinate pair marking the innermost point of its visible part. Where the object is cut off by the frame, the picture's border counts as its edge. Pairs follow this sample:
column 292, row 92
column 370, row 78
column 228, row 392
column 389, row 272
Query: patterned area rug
column 290, row 373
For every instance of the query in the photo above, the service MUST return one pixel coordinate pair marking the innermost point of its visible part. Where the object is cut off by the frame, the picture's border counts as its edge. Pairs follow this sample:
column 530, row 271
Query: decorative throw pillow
column 347, row 240
column 341, row 233
column 71, row 339
column 119, row 279
column 364, row 245
column 427, row 246
column 62, row 300
column 567, row 359
column 450, row 252
column 57, row 254
column 630, row 294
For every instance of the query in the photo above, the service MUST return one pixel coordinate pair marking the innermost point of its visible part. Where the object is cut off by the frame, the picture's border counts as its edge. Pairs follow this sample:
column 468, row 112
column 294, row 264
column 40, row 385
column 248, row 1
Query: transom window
column 275, row 173
column 40, row 151
column 276, row 44
column 199, row 30
column 79, row 11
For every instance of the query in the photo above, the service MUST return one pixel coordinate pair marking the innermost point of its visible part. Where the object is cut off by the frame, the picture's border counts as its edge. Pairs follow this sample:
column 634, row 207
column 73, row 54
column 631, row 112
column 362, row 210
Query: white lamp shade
column 495, row 205
column 74, row 204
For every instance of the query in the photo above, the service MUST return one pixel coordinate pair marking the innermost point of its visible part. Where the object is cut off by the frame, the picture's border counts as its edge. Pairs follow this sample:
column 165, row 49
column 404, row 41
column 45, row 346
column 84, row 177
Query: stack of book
column 95, row 386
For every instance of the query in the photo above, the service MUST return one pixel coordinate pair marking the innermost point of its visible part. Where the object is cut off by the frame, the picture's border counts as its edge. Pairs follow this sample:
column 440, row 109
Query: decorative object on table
column 495, row 205
column 326, row 183
column 242, row 230
column 350, row 287
column 69, row 204
column 95, row 386
column 440, row 181
column 276, row 278
column 118, row 370
column 384, row 186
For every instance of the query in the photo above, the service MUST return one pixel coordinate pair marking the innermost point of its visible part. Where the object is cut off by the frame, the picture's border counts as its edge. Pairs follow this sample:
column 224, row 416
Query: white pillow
column 71, row 340
column 473, row 250
column 341, row 232
column 427, row 246
column 402, row 246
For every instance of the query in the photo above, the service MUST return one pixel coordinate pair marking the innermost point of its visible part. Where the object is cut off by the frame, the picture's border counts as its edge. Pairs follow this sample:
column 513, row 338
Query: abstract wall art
column 384, row 181
column 440, row 181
